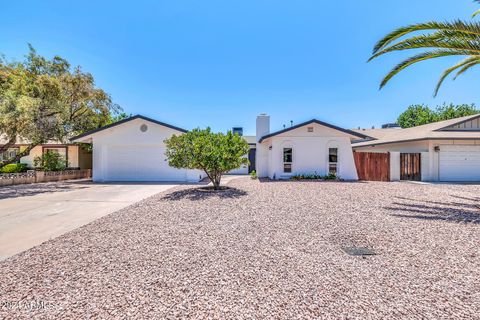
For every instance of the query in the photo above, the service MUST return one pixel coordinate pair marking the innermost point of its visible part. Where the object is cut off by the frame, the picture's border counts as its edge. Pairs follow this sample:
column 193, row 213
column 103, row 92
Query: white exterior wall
column 425, row 166
column 261, row 157
column 394, row 166
column 310, row 152
column 126, row 146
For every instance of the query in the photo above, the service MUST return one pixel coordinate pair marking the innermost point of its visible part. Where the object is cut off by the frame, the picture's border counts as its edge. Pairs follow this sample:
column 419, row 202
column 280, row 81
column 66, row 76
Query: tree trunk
column 216, row 181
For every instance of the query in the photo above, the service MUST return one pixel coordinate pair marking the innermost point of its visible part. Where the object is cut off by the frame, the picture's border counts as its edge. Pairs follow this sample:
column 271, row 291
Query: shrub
column 315, row 176
column 51, row 161
column 253, row 174
column 214, row 153
column 14, row 168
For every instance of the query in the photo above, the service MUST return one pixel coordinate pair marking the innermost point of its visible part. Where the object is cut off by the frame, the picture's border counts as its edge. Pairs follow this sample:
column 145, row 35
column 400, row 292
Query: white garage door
column 459, row 163
column 140, row 163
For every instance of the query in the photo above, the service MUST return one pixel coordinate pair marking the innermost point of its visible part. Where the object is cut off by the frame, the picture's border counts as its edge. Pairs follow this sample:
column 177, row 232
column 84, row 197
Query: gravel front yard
column 264, row 250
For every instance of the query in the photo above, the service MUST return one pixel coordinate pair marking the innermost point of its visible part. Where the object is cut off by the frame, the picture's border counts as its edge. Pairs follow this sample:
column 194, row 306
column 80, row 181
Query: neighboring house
column 310, row 147
column 133, row 149
column 441, row 151
column 75, row 156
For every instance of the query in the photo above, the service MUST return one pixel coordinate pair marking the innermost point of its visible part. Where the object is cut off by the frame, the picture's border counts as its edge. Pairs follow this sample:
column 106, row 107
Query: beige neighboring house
column 447, row 150
column 76, row 156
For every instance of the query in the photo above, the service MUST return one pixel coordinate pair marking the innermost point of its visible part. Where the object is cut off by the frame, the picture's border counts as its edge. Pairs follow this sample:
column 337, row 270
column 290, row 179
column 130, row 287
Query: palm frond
column 420, row 57
column 466, row 67
column 472, row 28
column 440, row 40
column 476, row 13
column 447, row 72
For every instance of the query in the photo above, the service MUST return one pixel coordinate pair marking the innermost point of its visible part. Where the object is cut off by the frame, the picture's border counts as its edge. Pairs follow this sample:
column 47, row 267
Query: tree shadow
column 196, row 194
column 434, row 210
column 268, row 180
column 25, row 190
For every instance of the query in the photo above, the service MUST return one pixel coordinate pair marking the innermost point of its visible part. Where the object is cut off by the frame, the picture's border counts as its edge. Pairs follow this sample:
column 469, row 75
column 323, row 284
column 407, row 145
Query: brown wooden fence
column 410, row 166
column 372, row 166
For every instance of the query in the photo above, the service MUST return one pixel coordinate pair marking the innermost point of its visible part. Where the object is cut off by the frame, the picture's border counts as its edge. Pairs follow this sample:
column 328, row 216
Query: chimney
column 263, row 125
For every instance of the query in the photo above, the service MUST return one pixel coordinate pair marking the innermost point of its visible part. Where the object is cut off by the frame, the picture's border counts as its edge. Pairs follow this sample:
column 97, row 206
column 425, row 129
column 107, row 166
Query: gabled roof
column 430, row 131
column 138, row 116
column 331, row 126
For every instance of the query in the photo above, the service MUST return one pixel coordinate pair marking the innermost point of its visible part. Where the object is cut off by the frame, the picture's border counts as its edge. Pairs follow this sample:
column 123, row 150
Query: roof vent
column 390, row 126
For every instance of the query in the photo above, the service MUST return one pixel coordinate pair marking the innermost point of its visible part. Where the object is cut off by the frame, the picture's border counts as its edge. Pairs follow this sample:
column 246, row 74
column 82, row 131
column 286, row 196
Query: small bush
column 315, row 176
column 51, row 161
column 253, row 174
column 14, row 168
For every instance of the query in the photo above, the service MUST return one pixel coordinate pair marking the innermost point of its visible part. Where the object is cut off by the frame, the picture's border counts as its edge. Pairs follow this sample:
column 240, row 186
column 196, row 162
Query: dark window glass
column 333, row 155
column 332, row 168
column 287, row 155
column 287, row 168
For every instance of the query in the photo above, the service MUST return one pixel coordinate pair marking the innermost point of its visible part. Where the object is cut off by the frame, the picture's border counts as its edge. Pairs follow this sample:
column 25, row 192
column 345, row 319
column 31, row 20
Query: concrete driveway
column 32, row 214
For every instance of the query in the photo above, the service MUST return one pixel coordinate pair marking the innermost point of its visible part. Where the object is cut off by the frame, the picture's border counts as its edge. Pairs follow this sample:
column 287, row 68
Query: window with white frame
column 287, row 160
column 332, row 160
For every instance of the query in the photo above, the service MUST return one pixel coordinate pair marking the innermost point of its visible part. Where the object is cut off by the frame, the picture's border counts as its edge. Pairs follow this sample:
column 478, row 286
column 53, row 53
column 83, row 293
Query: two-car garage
column 140, row 163
column 134, row 150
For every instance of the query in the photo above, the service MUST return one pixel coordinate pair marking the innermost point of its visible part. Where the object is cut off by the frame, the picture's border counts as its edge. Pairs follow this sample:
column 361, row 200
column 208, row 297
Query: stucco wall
column 38, row 151
column 28, row 160
column 310, row 152
column 128, row 140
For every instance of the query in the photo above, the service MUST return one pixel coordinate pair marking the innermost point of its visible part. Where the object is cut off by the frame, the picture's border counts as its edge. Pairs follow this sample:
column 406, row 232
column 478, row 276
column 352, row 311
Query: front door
column 251, row 158
column 410, row 166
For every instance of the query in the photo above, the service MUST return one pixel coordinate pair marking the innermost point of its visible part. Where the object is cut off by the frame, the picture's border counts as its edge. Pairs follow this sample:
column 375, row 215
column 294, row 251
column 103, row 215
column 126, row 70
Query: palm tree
column 457, row 38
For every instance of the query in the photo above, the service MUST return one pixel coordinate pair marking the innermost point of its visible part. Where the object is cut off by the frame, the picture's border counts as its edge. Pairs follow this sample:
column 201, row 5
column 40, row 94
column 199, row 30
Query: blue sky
column 220, row 63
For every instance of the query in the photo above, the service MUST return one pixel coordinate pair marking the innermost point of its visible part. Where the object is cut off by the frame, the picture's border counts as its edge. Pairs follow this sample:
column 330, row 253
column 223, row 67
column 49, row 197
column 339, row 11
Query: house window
column 287, row 160
column 9, row 154
column 332, row 160
column 310, row 129
column 50, row 150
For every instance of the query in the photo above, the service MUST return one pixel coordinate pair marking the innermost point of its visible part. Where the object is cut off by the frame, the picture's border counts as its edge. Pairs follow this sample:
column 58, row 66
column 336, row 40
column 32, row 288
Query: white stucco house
column 133, row 149
column 309, row 147
column 442, row 151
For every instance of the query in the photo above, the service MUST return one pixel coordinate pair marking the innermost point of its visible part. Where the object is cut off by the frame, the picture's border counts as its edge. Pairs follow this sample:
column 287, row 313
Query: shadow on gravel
column 268, row 180
column 432, row 210
column 195, row 194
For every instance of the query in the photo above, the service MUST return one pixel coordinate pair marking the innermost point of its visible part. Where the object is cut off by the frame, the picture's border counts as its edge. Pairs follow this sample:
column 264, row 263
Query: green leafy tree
column 442, row 39
column 452, row 111
column 417, row 115
column 42, row 100
column 214, row 153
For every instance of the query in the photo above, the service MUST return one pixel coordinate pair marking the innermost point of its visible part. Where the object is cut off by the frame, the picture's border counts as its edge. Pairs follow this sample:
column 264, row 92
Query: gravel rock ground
column 264, row 250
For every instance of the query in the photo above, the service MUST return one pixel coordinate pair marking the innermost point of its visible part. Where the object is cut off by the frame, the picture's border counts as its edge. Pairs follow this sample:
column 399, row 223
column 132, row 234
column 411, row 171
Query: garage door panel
column 459, row 163
column 140, row 163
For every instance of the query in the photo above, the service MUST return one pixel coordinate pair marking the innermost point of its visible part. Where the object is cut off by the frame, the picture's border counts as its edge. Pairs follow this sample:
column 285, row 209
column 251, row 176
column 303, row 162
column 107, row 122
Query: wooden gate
column 372, row 166
column 410, row 166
